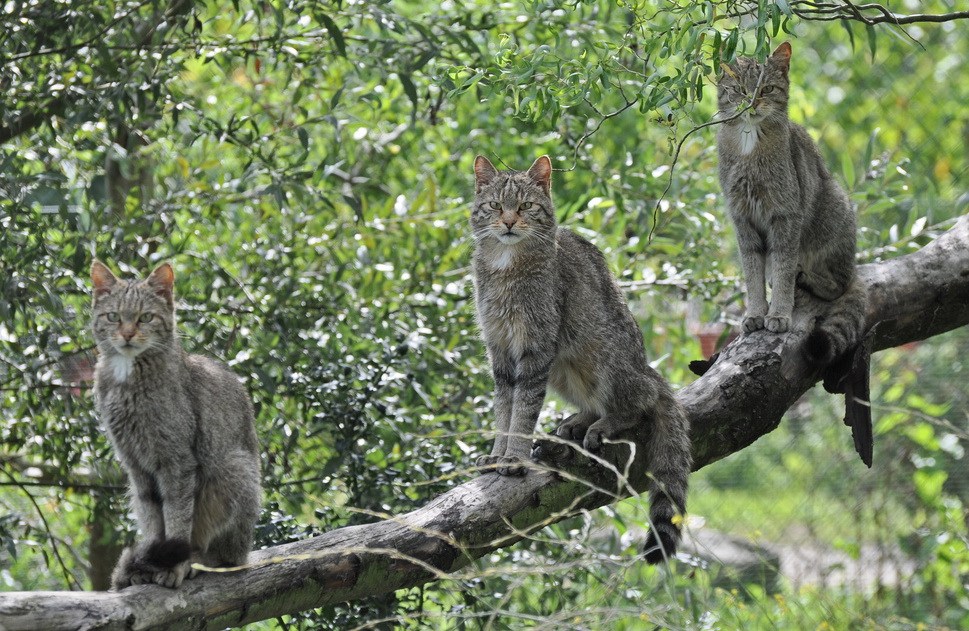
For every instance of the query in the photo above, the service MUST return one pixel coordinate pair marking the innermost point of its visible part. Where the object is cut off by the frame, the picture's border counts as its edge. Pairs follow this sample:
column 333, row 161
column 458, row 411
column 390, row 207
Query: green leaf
column 409, row 88
column 851, row 34
column 335, row 34
column 871, row 39
column 848, row 169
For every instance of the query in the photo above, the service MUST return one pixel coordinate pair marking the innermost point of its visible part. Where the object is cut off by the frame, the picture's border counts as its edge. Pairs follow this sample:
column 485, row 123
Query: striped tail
column 840, row 329
column 669, row 461
column 841, row 347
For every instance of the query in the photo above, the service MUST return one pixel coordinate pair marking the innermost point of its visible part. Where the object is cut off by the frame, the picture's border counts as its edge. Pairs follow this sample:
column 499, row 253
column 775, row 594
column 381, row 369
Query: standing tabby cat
column 794, row 224
column 182, row 426
column 551, row 314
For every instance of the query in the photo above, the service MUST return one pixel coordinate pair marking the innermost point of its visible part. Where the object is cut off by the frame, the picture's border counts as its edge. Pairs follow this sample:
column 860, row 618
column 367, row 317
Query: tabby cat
column 551, row 314
column 182, row 426
column 795, row 226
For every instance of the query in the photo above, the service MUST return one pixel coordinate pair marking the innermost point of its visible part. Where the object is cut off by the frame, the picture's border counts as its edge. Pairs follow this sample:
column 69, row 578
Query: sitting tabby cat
column 551, row 314
column 182, row 426
column 795, row 226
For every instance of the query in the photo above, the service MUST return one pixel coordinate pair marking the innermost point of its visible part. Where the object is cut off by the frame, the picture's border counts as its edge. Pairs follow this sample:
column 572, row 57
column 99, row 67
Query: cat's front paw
column 511, row 466
column 778, row 324
column 172, row 578
column 753, row 323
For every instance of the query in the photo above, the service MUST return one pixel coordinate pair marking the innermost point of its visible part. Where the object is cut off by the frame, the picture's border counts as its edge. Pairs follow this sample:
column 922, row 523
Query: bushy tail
column 669, row 461
column 841, row 328
column 840, row 345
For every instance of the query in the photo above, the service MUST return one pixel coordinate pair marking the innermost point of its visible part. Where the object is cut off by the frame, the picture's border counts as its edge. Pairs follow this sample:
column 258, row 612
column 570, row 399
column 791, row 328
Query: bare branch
column 871, row 13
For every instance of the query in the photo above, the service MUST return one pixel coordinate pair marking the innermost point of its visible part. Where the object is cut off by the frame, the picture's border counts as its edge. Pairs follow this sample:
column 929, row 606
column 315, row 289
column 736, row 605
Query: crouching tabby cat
column 795, row 226
column 182, row 426
column 551, row 314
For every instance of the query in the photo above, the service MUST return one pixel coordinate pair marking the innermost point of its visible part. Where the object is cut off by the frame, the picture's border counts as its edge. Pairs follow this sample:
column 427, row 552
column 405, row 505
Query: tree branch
column 872, row 13
column 743, row 396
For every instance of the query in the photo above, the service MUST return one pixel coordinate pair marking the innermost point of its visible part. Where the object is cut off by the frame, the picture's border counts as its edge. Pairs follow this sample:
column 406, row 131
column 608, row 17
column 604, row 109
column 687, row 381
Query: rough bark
column 742, row 397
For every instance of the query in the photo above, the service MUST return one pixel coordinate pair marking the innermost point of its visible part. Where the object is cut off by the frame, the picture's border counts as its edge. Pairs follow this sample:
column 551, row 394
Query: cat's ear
column 541, row 174
column 162, row 281
column 102, row 278
column 484, row 172
column 782, row 55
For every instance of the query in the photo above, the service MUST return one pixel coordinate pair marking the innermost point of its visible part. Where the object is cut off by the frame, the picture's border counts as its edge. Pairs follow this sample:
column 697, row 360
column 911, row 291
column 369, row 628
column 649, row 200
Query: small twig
column 53, row 540
column 585, row 136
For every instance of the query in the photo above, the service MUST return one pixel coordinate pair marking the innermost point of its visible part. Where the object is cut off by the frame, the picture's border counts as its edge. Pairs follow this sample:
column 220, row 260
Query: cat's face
column 132, row 316
column 764, row 87
column 512, row 206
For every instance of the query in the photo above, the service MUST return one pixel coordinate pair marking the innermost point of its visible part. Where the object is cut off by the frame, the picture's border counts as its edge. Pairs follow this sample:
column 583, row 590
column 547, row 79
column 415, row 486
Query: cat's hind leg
column 575, row 427
column 609, row 427
column 823, row 286
column 572, row 429
column 231, row 548
column 165, row 562
column 130, row 571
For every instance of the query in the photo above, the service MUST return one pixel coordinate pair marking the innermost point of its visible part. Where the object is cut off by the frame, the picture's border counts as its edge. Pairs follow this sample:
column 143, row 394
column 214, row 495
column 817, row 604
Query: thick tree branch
column 743, row 396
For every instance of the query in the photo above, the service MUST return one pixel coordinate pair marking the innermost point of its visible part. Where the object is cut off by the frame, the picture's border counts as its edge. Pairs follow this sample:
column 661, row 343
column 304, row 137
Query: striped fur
column 795, row 226
column 552, row 315
column 182, row 427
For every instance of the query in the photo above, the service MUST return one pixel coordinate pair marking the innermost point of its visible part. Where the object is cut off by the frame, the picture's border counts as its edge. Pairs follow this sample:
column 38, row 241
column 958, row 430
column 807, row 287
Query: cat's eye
column 494, row 205
column 146, row 317
column 524, row 206
column 112, row 316
column 767, row 89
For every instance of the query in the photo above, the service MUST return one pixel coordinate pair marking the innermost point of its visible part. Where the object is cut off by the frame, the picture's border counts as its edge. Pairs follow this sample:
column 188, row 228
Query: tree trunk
column 742, row 397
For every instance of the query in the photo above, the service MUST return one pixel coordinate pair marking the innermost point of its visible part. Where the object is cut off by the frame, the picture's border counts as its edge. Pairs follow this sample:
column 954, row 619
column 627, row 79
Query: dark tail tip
column 818, row 348
column 168, row 553
column 660, row 544
column 700, row 367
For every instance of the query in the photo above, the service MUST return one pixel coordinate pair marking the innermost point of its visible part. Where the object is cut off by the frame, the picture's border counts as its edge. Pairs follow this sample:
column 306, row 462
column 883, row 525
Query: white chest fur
column 121, row 367
column 747, row 136
column 503, row 258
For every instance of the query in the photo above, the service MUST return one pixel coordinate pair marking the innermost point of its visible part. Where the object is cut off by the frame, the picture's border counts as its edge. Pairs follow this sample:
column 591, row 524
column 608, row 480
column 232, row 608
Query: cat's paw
column 129, row 571
column 511, row 466
column 137, row 578
column 172, row 578
column 486, row 463
column 575, row 427
column 551, row 451
column 753, row 323
column 778, row 324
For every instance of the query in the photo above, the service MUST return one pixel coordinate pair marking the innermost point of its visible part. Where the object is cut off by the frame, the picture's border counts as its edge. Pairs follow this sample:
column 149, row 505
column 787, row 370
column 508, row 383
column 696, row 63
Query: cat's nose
column 509, row 224
column 127, row 334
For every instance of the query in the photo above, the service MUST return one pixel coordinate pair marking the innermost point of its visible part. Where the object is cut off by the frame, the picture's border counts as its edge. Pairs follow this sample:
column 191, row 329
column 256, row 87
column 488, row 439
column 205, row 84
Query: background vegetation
column 307, row 168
